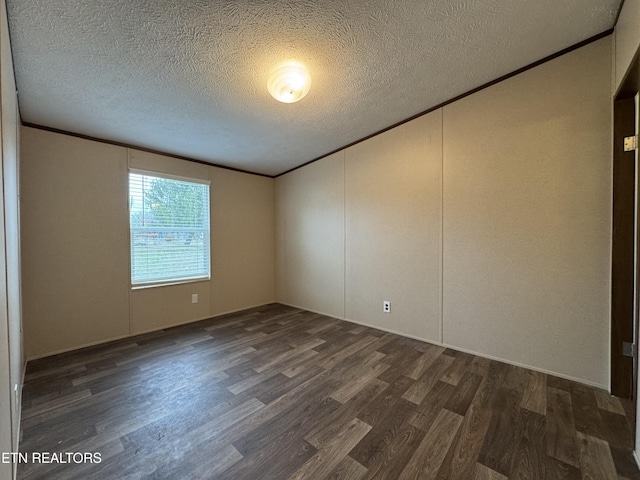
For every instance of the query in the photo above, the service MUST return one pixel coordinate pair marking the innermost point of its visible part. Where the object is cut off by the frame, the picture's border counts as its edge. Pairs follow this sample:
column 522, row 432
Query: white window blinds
column 169, row 222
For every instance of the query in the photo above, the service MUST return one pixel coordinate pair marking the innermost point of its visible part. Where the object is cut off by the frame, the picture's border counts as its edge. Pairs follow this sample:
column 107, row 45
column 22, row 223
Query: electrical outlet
column 386, row 307
column 194, row 298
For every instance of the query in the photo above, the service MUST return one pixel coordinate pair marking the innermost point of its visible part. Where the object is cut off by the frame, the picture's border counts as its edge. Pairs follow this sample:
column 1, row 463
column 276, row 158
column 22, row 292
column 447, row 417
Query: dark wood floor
column 279, row 393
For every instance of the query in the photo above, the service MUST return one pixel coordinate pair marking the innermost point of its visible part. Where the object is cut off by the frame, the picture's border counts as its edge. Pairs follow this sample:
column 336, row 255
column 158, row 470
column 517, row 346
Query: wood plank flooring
column 280, row 393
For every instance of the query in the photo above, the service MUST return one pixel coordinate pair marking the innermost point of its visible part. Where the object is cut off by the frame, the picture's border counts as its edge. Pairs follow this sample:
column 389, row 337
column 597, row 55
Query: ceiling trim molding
column 615, row 22
column 413, row 117
column 135, row 147
column 553, row 56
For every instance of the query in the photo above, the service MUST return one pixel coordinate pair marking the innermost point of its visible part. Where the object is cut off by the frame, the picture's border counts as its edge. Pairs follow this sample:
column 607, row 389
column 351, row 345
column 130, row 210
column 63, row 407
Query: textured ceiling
column 189, row 77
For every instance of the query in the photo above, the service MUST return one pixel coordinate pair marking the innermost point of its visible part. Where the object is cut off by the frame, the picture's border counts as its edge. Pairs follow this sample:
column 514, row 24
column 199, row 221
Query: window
column 169, row 222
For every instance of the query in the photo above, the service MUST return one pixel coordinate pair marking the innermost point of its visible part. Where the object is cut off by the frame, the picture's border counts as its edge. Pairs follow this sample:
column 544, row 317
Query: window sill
column 169, row 284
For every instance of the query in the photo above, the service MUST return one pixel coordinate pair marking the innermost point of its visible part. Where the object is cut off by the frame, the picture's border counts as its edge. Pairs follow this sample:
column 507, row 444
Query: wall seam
column 344, row 232
column 531, row 66
column 442, row 225
column 211, row 282
column 285, row 284
column 129, row 244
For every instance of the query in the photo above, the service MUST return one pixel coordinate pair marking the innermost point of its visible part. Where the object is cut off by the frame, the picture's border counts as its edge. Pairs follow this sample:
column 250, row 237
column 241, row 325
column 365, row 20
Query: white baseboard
column 460, row 349
column 142, row 332
column 389, row 330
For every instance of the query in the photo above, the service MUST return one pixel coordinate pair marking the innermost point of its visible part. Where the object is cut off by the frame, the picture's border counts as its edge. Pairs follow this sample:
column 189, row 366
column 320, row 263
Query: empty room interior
column 319, row 239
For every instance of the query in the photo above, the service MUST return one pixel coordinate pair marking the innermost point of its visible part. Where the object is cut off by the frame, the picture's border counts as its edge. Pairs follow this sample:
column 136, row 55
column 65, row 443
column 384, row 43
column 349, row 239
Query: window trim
column 168, row 282
column 144, row 286
column 170, row 176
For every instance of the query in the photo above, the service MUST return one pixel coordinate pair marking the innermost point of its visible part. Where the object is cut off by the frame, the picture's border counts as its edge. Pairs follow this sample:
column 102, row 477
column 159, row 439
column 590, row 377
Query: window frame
column 172, row 281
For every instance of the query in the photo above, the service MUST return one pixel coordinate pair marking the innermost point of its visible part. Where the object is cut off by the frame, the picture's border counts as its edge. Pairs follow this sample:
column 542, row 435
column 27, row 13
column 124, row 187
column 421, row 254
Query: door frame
column 625, row 256
column 623, row 253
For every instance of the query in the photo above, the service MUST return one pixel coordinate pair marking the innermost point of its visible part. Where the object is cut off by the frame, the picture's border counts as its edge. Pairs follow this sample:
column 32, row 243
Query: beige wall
column 393, row 195
column 76, row 283
column 627, row 39
column 242, row 240
column 311, row 236
column 527, row 217
column 75, row 243
column 11, row 351
column 508, row 191
column 159, row 307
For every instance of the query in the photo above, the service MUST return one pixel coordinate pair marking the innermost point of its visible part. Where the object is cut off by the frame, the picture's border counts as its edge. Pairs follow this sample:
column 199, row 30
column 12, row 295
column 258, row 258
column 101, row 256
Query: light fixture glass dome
column 289, row 82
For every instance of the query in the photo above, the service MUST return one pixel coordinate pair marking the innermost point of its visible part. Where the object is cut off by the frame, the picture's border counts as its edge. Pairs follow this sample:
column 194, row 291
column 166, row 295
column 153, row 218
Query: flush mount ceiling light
column 289, row 82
